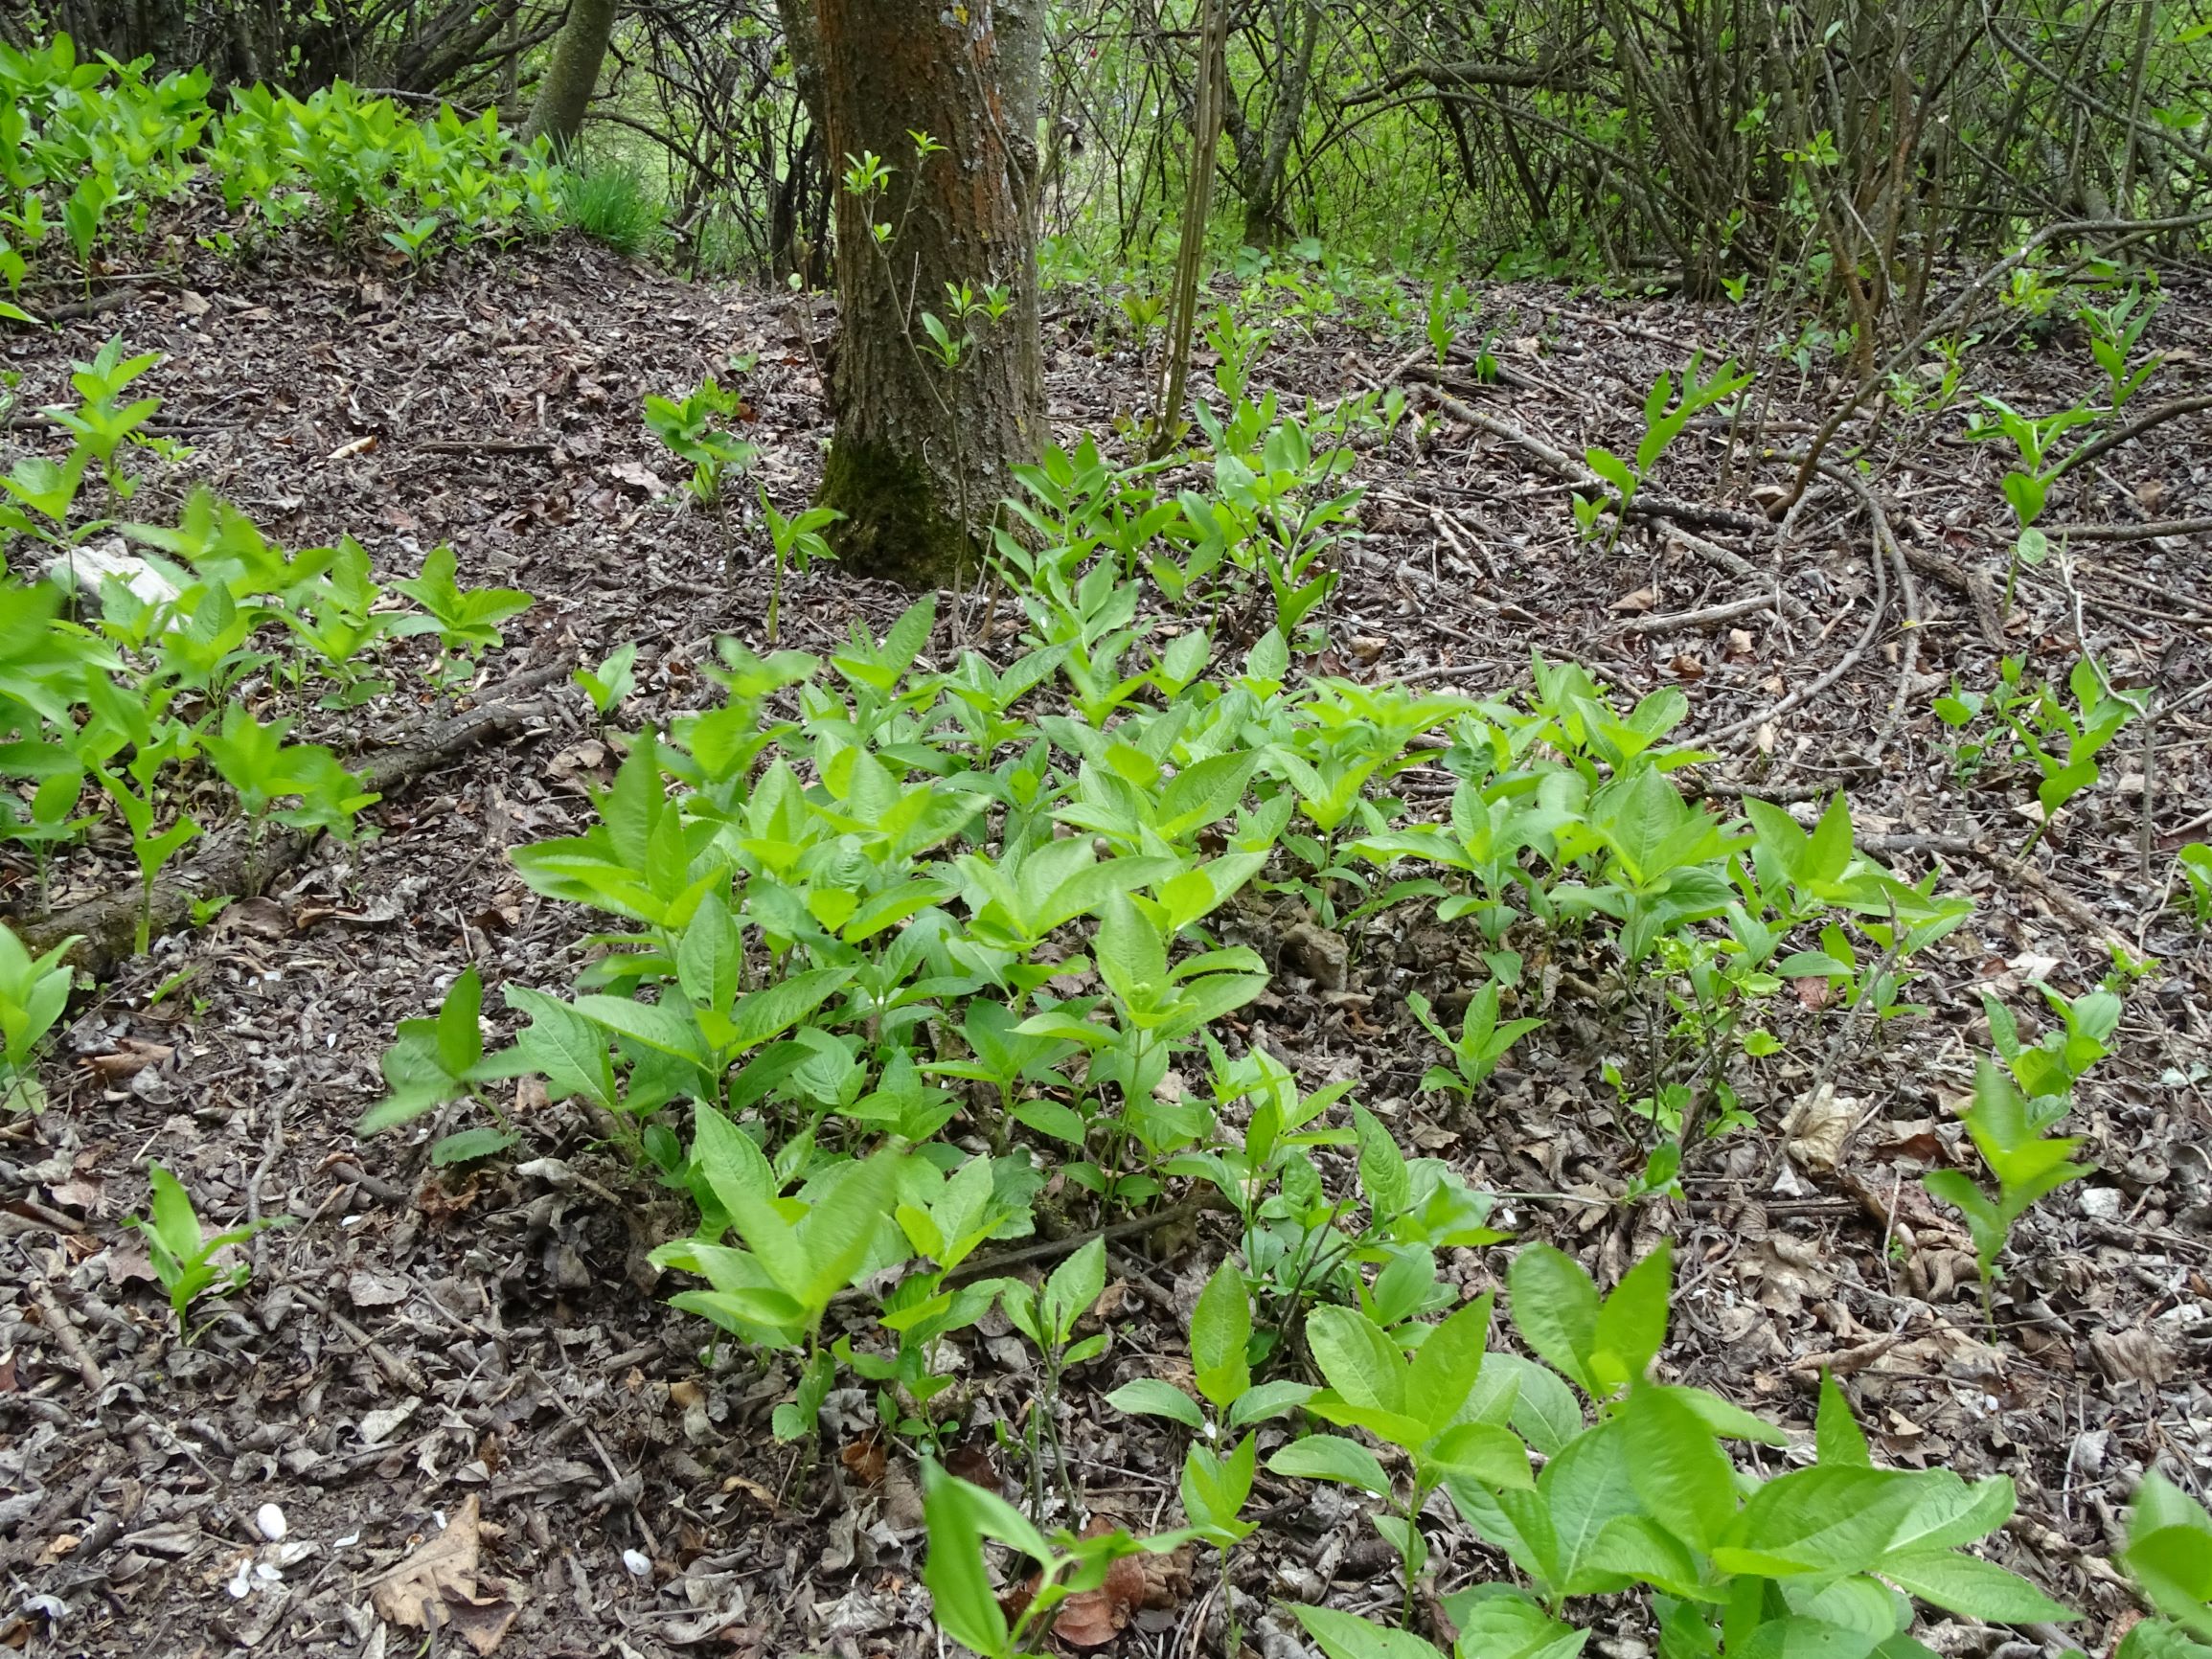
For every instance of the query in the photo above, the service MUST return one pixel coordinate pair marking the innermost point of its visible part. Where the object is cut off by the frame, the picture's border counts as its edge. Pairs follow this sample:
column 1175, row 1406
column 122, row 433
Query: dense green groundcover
column 887, row 946
column 91, row 151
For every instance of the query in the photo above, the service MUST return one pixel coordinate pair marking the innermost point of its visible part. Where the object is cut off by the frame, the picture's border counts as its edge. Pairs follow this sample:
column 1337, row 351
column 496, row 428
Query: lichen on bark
column 898, row 523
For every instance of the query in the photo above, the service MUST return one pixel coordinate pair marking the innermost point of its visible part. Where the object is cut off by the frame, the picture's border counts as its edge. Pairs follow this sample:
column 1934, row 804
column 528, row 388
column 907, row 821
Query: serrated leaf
column 1348, row 1636
column 460, row 1038
column 1220, row 1332
column 1330, row 1456
column 1555, row 1308
column 467, row 1146
column 1149, row 1397
column 1362, row 1365
column 1972, row 1588
column 1382, row 1172
column 772, row 1011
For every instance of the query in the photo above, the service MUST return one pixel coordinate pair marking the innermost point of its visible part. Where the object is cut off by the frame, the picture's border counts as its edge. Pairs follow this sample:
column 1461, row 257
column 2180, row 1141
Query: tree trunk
column 921, row 452
column 1264, row 154
column 573, row 75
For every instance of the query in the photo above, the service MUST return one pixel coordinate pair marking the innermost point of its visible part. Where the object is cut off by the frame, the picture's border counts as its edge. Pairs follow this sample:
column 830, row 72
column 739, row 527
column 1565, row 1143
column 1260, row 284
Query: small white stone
column 269, row 1522
column 639, row 1563
column 2103, row 1203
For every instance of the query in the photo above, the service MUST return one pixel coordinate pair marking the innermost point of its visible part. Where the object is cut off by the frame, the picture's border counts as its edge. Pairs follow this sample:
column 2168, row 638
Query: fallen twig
column 1743, row 570
column 1886, row 542
column 56, row 1320
column 2134, row 429
column 2150, row 530
column 1645, row 505
column 1701, row 617
column 1850, row 660
column 237, row 863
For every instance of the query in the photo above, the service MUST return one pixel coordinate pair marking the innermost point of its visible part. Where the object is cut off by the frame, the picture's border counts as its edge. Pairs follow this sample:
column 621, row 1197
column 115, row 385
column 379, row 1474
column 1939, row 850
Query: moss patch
column 895, row 524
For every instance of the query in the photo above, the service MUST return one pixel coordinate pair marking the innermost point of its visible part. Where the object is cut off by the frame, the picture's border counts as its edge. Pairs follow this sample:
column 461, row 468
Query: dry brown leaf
column 864, row 1459
column 2135, row 1356
column 1632, row 603
column 1094, row 1618
column 971, row 1461
column 1816, row 1128
column 132, row 1055
column 436, row 1587
column 260, row 916
column 1843, row 1362
column 1167, row 1579
column 1321, row 956
column 754, row 1489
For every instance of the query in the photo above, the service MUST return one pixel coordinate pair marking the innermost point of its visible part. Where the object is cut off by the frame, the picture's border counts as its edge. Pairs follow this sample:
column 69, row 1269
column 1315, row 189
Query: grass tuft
column 614, row 205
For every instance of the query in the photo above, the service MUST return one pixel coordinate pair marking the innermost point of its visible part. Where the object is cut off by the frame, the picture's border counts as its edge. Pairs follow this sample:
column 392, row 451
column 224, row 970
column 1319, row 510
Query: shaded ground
column 409, row 1350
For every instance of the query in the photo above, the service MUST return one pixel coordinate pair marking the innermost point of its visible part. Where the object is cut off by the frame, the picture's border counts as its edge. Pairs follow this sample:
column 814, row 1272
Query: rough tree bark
column 573, row 76
column 921, row 454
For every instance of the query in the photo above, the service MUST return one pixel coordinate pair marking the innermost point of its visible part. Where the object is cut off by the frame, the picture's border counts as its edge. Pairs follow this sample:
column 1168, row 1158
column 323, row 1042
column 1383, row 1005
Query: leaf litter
column 490, row 1348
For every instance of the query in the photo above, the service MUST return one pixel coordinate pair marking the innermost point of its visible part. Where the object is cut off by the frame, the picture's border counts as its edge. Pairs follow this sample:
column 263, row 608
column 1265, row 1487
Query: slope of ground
column 493, row 1355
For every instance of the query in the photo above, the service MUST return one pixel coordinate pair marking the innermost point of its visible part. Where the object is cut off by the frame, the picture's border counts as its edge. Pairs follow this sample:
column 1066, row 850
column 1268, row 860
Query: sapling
column 798, row 542
column 1216, row 1483
column 1483, row 1041
column 466, row 619
column 960, row 1516
column 692, row 428
column 2008, row 1130
column 183, row 1259
column 437, row 1061
column 609, row 685
column 2026, row 485
column 2169, row 1555
column 34, row 992
column 151, row 848
column 1435, row 1408
column 946, row 1220
column 2195, row 864
column 2051, row 1067
column 1662, row 425
column 1048, row 1318
column 776, row 1291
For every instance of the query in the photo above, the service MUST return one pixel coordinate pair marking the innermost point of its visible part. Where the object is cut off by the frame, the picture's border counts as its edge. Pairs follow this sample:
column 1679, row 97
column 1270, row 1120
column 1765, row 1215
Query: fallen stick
column 1744, row 571
column 1851, row 659
column 66, row 1336
column 1052, row 1249
column 1692, row 619
column 1644, row 505
column 2150, row 530
column 238, row 864
column 2132, row 430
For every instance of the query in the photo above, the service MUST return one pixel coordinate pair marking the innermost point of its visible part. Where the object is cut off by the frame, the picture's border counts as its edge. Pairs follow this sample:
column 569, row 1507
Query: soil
column 487, row 1362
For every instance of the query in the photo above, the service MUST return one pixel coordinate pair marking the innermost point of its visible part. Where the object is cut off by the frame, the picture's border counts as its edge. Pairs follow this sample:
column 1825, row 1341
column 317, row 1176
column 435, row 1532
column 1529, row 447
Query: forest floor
column 493, row 1357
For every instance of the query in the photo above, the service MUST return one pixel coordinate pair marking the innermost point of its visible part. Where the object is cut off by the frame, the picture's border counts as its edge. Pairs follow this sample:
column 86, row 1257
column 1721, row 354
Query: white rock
column 269, row 1522
column 2103, row 1203
column 639, row 1563
column 85, row 569
column 378, row 1426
